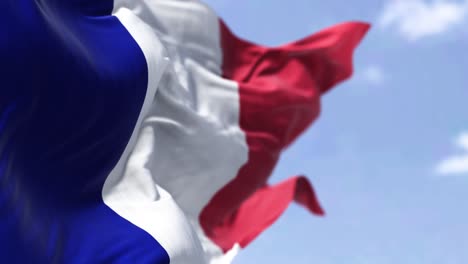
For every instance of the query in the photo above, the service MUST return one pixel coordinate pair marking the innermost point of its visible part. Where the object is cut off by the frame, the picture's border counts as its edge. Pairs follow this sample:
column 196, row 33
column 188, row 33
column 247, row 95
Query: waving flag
column 138, row 131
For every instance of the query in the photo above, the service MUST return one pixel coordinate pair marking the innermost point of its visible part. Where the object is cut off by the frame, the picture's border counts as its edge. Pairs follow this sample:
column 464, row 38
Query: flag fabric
column 145, row 131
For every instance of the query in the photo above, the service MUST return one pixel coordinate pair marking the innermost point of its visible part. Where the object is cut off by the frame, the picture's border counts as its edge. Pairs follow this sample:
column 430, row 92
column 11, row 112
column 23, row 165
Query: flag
column 138, row 131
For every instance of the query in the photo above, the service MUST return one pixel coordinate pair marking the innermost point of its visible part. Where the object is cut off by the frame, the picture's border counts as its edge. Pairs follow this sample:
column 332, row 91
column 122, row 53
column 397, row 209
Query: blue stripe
column 72, row 87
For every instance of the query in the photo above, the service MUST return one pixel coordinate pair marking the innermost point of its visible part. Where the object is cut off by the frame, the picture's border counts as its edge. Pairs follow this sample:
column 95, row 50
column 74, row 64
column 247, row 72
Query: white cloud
column 415, row 19
column 457, row 164
column 374, row 75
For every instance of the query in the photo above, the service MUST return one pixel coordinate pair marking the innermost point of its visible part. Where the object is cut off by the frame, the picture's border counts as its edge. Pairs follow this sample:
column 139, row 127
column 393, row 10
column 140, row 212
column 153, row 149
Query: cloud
column 457, row 164
column 416, row 19
column 374, row 75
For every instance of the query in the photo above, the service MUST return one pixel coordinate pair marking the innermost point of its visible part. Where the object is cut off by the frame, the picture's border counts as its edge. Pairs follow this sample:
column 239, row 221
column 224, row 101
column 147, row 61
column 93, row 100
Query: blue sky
column 389, row 155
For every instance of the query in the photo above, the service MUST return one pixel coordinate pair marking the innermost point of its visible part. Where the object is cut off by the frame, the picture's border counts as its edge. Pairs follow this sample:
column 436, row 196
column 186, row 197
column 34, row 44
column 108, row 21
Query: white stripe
column 200, row 146
column 130, row 189
column 190, row 142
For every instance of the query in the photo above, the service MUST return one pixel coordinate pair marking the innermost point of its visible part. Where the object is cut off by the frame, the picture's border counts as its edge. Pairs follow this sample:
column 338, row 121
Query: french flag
column 145, row 131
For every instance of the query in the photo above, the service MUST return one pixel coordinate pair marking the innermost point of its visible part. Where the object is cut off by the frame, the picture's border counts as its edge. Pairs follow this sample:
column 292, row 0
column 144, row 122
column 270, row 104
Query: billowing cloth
column 144, row 131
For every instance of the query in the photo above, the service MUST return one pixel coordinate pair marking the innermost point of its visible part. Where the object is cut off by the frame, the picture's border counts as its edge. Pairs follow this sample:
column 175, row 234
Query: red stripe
column 280, row 91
